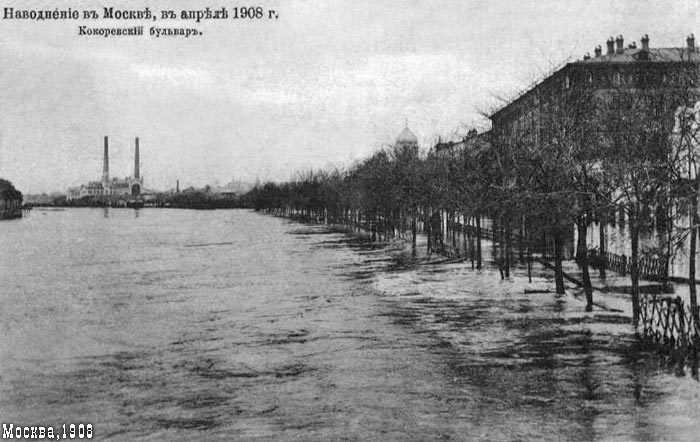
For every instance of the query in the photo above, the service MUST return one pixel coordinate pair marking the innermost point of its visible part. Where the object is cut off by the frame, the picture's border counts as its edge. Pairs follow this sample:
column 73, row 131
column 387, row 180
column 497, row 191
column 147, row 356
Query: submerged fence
column 649, row 267
column 669, row 323
column 664, row 320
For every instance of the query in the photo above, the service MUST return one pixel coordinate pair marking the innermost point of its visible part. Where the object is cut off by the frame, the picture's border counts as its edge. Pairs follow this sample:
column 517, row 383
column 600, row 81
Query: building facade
column 653, row 72
column 593, row 104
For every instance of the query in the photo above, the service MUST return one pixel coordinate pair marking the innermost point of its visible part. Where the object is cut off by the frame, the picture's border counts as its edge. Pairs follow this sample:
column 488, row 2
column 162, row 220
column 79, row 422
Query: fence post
column 668, row 332
column 681, row 322
column 655, row 321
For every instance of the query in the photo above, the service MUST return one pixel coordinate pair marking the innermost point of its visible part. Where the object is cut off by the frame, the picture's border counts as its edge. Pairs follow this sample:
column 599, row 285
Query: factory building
column 129, row 187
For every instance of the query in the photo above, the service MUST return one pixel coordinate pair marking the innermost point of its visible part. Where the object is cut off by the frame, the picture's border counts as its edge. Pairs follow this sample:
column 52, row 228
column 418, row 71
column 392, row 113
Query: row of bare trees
column 593, row 152
column 585, row 156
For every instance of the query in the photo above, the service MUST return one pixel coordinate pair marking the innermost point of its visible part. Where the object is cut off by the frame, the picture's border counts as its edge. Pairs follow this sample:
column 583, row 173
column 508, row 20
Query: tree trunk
column 464, row 237
column 529, row 263
column 634, row 265
column 580, row 240
column 373, row 228
column 453, row 217
column 414, row 229
column 427, row 226
column 558, row 269
column 602, row 248
column 667, row 255
column 694, row 221
column 582, row 257
column 521, row 245
column 478, row 242
column 506, row 258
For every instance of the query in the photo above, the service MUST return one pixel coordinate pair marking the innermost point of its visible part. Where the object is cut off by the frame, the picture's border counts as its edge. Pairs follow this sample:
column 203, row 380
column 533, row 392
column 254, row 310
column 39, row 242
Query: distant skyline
column 327, row 84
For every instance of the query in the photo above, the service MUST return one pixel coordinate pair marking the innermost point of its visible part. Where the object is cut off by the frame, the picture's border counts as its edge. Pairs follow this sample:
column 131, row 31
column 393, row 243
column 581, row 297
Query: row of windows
column 638, row 79
column 89, row 191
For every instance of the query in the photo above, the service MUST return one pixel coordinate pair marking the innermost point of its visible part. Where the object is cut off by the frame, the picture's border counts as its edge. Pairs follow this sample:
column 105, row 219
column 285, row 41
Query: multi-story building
column 468, row 145
column 621, row 67
column 664, row 80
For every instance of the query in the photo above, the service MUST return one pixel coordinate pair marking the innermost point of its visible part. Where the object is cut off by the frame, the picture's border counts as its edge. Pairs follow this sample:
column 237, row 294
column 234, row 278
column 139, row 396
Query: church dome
column 406, row 136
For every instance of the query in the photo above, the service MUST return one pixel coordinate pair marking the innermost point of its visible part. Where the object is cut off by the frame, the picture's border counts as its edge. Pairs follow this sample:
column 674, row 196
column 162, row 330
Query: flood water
column 166, row 324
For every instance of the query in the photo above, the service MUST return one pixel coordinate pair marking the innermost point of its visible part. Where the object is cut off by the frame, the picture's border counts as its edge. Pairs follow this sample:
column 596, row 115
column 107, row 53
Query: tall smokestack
column 105, row 162
column 136, row 159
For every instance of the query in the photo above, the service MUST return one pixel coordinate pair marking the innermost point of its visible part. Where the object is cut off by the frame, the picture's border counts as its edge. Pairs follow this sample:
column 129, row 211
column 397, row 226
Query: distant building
column 10, row 201
column 454, row 148
column 407, row 141
column 116, row 187
column 232, row 189
column 43, row 199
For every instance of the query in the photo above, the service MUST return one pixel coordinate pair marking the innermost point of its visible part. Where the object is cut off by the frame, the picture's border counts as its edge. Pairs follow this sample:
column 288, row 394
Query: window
column 616, row 101
column 617, row 80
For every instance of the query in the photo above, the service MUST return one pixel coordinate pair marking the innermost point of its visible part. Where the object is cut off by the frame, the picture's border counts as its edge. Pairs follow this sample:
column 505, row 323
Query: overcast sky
column 326, row 84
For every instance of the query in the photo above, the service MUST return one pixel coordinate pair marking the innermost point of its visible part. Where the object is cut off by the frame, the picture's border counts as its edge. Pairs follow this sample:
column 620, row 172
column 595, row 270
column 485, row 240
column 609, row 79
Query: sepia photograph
column 349, row 220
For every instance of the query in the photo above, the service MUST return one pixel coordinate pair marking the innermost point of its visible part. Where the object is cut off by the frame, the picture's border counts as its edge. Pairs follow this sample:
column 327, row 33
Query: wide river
column 166, row 324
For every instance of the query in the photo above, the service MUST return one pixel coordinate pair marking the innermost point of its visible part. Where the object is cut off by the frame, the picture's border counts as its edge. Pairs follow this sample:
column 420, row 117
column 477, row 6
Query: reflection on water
column 234, row 325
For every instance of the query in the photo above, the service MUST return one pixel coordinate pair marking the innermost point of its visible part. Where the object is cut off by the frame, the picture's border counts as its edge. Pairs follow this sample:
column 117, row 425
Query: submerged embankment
column 235, row 325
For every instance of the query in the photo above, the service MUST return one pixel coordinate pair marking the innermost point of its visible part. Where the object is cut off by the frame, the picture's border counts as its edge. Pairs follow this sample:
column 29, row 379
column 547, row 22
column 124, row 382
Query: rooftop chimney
column 691, row 42
column 598, row 51
column 611, row 46
column 136, row 159
column 620, row 42
column 632, row 45
column 645, row 42
column 587, row 56
column 105, row 162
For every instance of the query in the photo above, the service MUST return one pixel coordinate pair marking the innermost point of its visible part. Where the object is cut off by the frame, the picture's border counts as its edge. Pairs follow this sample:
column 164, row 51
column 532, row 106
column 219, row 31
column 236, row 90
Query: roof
column 473, row 142
column 406, row 136
column 228, row 188
column 657, row 55
column 628, row 56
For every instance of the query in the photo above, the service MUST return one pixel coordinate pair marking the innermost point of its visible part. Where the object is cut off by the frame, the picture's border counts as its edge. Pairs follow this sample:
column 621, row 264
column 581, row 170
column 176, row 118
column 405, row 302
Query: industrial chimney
column 136, row 159
column 105, row 162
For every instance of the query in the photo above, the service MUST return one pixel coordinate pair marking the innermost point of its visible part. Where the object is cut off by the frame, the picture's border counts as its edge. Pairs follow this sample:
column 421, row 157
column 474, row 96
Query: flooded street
column 166, row 324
